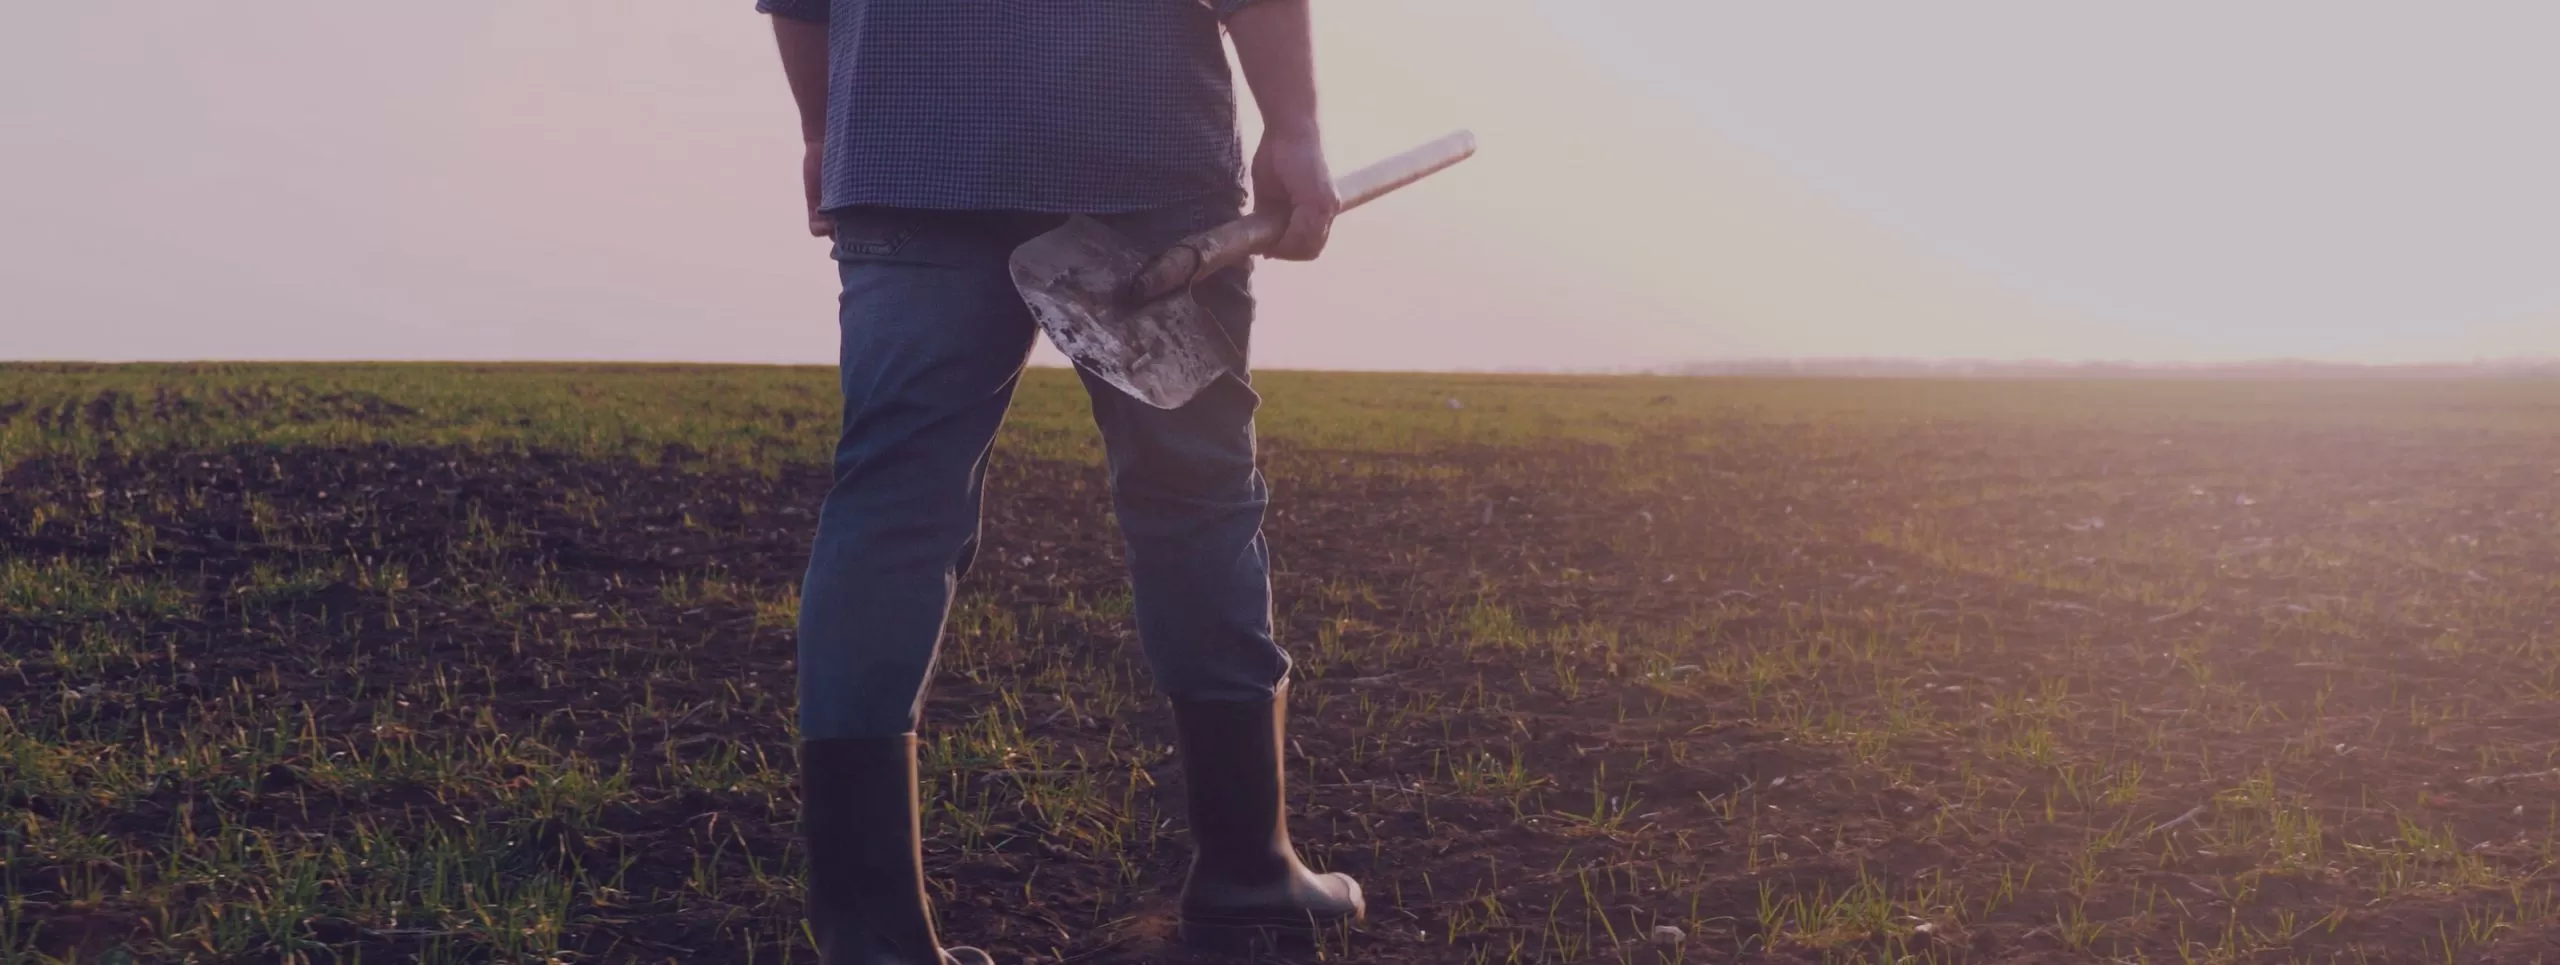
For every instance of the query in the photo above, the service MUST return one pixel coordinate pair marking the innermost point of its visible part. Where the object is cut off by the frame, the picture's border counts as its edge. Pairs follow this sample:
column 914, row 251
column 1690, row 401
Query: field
column 493, row 664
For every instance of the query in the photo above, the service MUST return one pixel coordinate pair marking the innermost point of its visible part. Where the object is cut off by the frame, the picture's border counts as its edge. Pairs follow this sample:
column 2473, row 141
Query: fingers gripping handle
column 1226, row 245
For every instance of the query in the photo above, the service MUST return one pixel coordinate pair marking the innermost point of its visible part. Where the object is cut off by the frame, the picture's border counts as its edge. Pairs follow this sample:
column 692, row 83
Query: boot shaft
column 1235, row 790
column 858, row 817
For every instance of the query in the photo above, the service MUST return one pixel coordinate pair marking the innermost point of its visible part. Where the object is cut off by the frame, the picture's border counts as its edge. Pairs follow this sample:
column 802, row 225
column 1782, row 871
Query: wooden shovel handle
column 1226, row 245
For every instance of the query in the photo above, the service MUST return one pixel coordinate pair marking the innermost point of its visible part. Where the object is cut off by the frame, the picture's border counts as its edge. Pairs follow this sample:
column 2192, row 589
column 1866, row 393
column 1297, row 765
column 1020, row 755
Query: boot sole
column 1250, row 936
column 1253, row 939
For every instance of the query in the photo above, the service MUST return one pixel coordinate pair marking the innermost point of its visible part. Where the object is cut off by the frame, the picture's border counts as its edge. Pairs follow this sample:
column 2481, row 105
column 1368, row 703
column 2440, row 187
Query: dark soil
column 1795, row 716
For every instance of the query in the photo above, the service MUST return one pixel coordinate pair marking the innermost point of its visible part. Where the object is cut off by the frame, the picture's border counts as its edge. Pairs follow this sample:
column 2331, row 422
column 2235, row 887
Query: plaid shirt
column 1061, row 106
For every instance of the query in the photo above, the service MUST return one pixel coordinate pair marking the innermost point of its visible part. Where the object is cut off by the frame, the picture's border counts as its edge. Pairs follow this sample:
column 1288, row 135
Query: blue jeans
column 935, row 339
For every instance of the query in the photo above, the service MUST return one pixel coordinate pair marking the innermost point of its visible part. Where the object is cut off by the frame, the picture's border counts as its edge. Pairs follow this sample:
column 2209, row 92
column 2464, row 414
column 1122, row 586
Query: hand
column 1289, row 173
column 812, row 168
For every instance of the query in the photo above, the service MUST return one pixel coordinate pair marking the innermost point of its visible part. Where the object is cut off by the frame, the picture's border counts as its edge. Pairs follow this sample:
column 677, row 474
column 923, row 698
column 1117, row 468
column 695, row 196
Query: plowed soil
column 1739, row 688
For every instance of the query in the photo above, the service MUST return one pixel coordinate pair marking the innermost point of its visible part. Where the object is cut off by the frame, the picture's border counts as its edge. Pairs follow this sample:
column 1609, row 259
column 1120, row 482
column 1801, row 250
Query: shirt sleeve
column 815, row 11
column 1228, row 8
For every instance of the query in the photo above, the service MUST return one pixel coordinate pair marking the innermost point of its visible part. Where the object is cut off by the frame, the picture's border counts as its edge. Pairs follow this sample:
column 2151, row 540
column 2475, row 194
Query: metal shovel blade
column 1162, row 352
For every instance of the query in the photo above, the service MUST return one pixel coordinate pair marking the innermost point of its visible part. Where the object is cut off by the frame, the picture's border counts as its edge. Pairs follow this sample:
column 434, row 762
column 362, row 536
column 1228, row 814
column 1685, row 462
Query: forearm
column 1275, row 44
column 804, row 64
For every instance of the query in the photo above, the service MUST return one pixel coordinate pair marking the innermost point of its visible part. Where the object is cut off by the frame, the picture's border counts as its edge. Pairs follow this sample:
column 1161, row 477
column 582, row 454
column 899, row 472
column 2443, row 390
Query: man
column 940, row 135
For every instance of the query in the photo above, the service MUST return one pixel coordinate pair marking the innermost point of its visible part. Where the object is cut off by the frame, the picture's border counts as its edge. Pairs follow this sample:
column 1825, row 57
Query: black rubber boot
column 866, row 898
column 1248, row 894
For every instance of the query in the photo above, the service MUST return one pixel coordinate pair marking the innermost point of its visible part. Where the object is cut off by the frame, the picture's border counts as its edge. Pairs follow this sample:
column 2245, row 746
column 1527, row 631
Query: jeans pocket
column 872, row 233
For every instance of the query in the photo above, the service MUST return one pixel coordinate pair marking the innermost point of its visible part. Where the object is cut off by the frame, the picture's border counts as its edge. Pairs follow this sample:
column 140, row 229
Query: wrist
column 1291, row 127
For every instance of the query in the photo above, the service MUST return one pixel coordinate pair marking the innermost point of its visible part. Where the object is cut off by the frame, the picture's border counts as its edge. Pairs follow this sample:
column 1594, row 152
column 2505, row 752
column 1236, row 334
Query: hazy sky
column 1661, row 180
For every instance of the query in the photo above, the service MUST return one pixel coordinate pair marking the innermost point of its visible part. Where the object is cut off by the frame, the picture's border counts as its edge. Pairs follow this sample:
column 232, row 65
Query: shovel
column 1127, row 315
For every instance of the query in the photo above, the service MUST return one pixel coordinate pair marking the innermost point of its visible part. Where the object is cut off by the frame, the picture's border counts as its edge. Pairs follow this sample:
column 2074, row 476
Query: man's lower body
column 934, row 341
